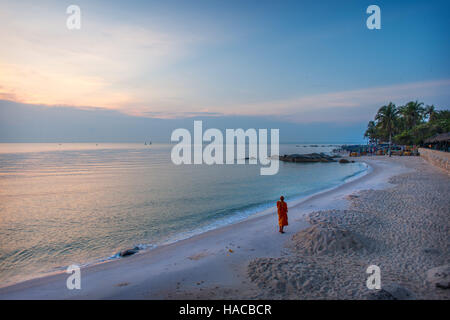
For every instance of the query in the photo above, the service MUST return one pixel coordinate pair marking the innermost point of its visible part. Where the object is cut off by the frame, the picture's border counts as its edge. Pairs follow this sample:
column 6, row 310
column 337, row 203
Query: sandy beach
column 396, row 217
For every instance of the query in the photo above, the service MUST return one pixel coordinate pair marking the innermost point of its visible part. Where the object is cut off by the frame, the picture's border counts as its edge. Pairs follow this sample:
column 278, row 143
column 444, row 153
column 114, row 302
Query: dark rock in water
column 310, row 157
column 439, row 276
column 128, row 252
column 391, row 292
column 344, row 161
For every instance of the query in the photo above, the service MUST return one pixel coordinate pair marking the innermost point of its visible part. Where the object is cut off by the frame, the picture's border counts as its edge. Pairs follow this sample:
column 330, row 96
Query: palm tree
column 386, row 118
column 412, row 113
column 430, row 112
column 371, row 132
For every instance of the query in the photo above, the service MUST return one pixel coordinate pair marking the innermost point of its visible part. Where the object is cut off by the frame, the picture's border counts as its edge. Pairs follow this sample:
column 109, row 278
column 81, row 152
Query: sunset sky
column 298, row 61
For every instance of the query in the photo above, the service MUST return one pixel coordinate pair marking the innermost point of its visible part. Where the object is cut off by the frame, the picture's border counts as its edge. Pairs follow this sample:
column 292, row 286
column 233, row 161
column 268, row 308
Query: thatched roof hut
column 443, row 137
column 439, row 142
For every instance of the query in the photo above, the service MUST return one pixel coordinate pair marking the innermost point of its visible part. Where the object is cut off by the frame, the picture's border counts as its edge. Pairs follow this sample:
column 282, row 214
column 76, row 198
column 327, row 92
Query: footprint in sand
column 122, row 284
column 198, row 256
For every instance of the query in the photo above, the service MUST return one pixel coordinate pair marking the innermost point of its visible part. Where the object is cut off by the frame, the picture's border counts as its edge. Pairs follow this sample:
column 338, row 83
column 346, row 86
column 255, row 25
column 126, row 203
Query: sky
column 298, row 62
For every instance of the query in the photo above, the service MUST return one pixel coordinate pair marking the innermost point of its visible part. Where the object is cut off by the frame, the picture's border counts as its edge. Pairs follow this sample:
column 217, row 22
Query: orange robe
column 282, row 213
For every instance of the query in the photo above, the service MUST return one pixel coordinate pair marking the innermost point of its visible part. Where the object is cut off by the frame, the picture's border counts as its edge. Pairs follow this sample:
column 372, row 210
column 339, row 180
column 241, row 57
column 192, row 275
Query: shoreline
column 145, row 248
column 203, row 260
column 402, row 229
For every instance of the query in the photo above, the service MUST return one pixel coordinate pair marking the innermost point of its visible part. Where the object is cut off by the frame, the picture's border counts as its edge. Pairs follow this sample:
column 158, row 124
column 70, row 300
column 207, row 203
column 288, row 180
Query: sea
column 82, row 203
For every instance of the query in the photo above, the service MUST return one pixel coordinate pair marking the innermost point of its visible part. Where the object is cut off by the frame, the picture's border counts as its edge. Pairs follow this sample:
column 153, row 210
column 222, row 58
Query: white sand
column 403, row 229
column 231, row 262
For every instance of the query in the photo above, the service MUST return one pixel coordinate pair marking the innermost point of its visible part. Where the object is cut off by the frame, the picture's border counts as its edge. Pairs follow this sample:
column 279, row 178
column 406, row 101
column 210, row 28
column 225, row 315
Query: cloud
column 36, row 123
column 179, row 115
column 106, row 63
column 352, row 105
column 134, row 68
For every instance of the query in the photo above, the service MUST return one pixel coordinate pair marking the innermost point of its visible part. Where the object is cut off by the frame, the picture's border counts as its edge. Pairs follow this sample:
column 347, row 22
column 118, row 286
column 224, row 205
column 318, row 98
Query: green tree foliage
column 387, row 120
column 411, row 114
column 371, row 132
column 409, row 124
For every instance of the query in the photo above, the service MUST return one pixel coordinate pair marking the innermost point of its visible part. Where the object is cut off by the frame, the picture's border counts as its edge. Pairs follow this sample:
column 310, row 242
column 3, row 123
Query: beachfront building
column 439, row 142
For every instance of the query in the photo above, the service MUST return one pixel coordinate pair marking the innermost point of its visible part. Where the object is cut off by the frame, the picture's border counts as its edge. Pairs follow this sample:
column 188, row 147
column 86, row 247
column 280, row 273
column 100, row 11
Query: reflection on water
column 78, row 203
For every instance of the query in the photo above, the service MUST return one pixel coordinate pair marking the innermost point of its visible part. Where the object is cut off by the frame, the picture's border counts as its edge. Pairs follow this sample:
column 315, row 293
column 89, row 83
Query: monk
column 282, row 214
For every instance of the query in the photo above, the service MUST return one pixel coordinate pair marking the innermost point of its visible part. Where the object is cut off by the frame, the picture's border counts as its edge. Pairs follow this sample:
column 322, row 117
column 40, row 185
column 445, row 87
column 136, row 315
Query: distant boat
column 149, row 143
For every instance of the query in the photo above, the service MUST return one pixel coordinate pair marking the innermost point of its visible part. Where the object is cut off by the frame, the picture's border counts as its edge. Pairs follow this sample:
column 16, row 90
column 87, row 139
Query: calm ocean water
column 82, row 203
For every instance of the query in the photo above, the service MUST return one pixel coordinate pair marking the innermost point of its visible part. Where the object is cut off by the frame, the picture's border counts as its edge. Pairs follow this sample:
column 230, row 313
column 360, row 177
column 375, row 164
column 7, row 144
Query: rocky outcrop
column 310, row 157
column 128, row 252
